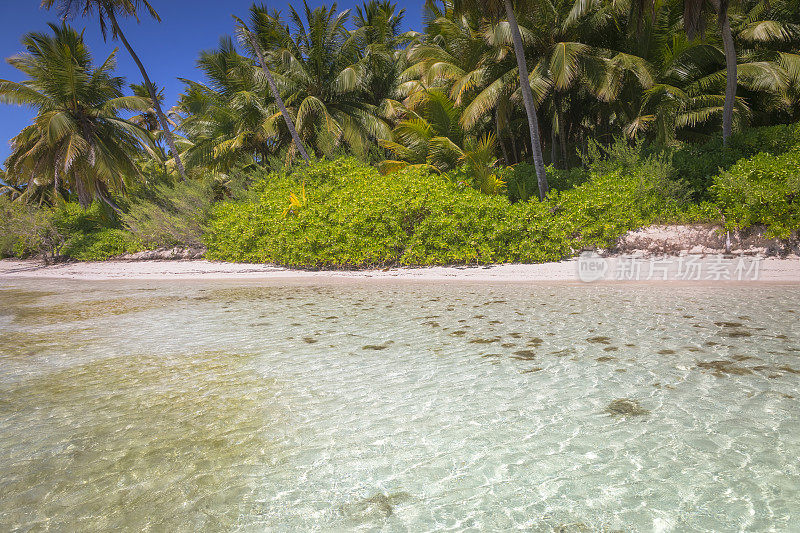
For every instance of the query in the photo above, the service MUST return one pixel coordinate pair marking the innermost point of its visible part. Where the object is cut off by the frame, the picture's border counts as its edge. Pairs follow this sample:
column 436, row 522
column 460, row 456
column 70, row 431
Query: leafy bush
column 67, row 230
column 92, row 234
column 698, row 165
column 351, row 215
column 100, row 245
column 73, row 219
column 354, row 216
column 591, row 215
column 27, row 230
column 522, row 183
column 171, row 215
column 762, row 190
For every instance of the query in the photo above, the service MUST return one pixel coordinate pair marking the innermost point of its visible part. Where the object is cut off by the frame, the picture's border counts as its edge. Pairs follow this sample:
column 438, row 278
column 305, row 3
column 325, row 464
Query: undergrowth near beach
column 343, row 213
column 346, row 214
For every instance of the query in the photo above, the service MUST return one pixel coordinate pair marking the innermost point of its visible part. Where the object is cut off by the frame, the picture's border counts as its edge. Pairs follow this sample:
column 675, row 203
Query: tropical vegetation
column 521, row 130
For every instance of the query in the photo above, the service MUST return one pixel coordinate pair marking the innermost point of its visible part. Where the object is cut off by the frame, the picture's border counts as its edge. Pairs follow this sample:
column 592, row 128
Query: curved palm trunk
column 527, row 97
column 274, row 88
column 731, row 75
column 151, row 89
column 103, row 194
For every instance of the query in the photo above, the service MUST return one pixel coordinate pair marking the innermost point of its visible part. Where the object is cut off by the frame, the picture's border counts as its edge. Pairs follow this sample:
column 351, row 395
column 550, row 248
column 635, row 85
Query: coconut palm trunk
column 562, row 132
column 153, row 96
column 692, row 21
column 276, row 94
column 731, row 72
column 527, row 97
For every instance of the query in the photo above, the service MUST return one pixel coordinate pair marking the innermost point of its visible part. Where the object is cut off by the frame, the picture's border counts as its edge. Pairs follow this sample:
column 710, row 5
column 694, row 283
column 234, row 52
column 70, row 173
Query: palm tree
column 769, row 33
column 381, row 20
column 494, row 9
column 6, row 189
column 457, row 57
column 431, row 137
column 149, row 119
column 250, row 39
column 382, row 52
column 691, row 88
column 107, row 12
column 232, row 121
column 578, row 69
column 322, row 75
column 693, row 22
column 77, row 143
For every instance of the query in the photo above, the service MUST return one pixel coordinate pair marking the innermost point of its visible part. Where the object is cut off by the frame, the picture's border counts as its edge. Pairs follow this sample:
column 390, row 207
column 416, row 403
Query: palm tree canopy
column 491, row 9
column 77, row 140
column 102, row 9
column 353, row 81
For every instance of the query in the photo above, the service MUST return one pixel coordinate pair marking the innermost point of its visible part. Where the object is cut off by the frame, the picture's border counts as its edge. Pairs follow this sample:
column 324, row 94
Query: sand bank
column 589, row 269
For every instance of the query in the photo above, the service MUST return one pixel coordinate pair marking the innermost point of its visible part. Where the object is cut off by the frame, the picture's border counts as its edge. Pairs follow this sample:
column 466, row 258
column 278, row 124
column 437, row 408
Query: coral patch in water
column 624, row 407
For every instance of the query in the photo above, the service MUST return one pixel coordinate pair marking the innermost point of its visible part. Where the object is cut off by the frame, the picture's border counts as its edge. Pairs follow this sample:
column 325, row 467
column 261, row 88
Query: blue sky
column 169, row 50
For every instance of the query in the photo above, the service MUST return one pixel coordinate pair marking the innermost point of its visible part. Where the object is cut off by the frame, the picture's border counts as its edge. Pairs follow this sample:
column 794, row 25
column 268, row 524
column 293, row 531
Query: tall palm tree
column 107, row 12
column 692, row 81
column 577, row 67
column 8, row 190
column 77, row 143
column 382, row 21
column 382, row 52
column 250, row 39
column 494, row 9
column 770, row 29
column 457, row 57
column 147, row 119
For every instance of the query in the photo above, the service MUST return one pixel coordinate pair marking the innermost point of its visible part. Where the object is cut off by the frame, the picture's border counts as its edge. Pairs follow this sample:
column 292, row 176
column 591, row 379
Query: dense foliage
column 67, row 230
column 699, row 163
column 346, row 214
column 78, row 142
column 170, row 215
column 763, row 190
column 422, row 141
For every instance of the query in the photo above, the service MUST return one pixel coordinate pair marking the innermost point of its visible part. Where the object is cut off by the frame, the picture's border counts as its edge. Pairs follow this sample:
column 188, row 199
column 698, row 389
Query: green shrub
column 762, row 190
column 591, row 215
column 92, row 234
column 346, row 214
column 72, row 219
column 66, row 230
column 27, row 230
column 699, row 164
column 354, row 216
column 171, row 215
column 522, row 183
column 100, row 245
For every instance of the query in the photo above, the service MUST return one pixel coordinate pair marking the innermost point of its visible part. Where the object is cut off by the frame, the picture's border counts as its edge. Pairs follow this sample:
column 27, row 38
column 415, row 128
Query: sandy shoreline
column 618, row 269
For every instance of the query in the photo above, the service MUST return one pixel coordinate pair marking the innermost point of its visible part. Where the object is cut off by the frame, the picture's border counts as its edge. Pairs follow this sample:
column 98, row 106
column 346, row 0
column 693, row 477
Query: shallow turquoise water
column 398, row 407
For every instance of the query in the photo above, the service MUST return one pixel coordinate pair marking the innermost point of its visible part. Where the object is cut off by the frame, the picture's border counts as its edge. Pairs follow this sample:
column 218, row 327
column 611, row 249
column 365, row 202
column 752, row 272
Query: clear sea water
column 220, row 406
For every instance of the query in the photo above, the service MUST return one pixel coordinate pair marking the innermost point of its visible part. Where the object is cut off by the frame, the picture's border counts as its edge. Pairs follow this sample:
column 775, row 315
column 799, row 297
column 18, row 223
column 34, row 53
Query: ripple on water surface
column 190, row 406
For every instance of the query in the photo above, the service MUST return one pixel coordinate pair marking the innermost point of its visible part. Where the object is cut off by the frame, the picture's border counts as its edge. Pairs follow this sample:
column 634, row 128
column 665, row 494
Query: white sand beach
column 667, row 269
